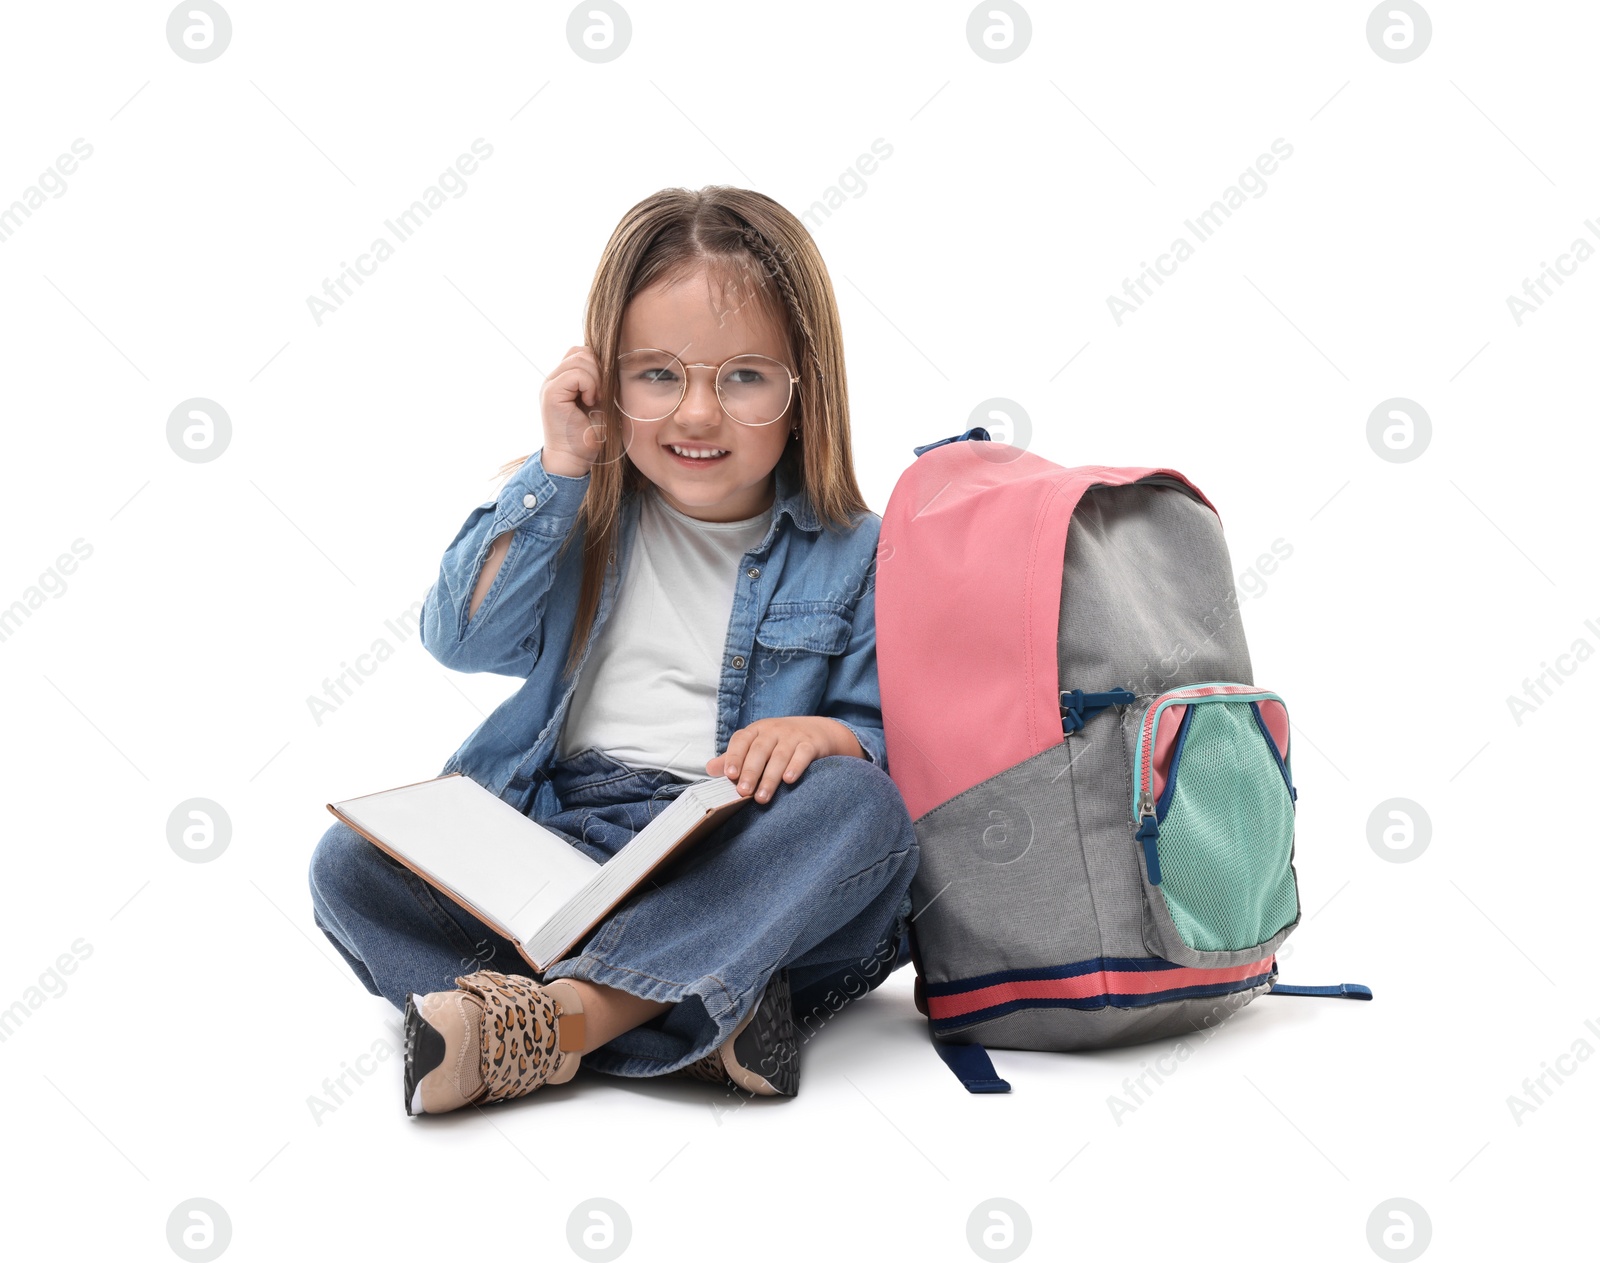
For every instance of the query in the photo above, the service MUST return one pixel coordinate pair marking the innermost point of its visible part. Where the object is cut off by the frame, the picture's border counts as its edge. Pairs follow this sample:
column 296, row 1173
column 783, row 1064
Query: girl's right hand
column 569, row 403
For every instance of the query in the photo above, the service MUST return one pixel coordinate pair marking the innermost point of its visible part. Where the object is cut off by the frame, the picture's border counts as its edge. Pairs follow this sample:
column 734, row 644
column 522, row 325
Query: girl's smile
column 695, row 454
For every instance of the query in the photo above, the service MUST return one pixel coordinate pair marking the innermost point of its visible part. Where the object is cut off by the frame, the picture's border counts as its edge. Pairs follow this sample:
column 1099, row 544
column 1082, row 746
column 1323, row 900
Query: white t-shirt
column 647, row 697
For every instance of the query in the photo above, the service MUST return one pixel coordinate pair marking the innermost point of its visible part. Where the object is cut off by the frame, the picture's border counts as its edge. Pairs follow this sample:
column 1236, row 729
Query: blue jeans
column 816, row 879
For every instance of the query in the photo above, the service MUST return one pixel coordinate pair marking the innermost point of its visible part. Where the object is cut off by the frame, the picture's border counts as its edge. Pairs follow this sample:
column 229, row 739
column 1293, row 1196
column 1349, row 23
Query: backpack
column 1103, row 797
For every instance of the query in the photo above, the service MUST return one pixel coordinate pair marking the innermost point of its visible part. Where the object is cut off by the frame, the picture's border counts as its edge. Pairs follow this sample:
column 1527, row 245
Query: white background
column 977, row 262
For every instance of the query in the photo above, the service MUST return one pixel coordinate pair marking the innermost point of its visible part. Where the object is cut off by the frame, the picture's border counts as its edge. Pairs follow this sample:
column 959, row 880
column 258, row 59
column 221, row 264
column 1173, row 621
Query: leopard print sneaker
column 762, row 1056
column 499, row 1036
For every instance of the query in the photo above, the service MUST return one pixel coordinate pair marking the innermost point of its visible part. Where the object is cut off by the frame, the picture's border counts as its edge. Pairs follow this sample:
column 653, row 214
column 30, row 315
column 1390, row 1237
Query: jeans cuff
column 628, row 1056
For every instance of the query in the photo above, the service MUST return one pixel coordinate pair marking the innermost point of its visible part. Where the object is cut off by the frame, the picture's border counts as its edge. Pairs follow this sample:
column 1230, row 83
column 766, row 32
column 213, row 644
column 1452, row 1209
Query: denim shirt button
column 738, row 663
column 529, row 500
column 753, row 573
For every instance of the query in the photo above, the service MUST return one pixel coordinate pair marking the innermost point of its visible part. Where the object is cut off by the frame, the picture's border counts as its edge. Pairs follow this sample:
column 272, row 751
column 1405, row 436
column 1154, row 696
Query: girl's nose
column 699, row 402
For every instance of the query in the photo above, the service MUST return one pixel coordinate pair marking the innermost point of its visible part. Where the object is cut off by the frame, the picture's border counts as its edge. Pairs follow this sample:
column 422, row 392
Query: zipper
column 1144, row 806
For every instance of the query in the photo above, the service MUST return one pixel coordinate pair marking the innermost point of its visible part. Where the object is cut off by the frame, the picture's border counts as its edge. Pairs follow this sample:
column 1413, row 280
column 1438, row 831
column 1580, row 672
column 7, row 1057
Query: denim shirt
column 801, row 638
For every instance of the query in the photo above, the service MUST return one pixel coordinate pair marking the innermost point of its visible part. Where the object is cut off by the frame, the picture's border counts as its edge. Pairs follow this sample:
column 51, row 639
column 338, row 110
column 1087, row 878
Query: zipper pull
column 1146, row 834
column 1078, row 707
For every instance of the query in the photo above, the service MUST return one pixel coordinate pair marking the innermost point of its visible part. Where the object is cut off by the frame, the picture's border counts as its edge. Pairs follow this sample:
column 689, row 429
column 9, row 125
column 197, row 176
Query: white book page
column 609, row 882
column 479, row 847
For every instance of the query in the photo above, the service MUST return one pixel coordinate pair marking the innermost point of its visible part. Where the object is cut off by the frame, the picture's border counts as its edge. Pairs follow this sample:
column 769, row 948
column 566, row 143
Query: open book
column 513, row 874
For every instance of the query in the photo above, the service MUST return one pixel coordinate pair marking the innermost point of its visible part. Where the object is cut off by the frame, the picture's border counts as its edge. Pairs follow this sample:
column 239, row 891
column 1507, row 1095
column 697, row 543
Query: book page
column 478, row 848
column 610, row 882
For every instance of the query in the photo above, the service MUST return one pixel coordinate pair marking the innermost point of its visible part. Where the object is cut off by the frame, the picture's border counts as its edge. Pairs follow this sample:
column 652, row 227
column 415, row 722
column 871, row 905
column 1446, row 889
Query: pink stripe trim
column 1166, row 738
column 1082, row 986
column 1277, row 722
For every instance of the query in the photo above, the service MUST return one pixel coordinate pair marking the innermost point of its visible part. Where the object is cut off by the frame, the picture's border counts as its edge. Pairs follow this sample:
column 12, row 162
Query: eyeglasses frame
column 794, row 380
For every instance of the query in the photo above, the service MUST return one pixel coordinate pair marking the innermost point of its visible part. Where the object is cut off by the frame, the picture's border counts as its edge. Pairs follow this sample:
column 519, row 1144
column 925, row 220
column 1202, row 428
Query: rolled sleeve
column 533, row 497
column 538, row 509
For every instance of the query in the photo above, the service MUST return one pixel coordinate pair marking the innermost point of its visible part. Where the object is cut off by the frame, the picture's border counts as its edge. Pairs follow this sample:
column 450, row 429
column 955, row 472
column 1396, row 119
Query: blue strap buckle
column 1078, row 707
column 976, row 432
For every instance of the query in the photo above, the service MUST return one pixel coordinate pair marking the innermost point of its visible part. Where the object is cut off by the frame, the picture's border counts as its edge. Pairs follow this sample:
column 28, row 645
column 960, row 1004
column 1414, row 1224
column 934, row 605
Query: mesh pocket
column 1226, row 830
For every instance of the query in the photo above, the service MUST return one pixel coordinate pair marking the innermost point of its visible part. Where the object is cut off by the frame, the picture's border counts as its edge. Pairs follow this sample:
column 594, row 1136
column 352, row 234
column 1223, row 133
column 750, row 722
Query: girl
column 683, row 577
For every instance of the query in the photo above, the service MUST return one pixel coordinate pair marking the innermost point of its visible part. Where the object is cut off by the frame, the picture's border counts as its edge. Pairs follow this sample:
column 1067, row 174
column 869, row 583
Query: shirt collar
column 790, row 495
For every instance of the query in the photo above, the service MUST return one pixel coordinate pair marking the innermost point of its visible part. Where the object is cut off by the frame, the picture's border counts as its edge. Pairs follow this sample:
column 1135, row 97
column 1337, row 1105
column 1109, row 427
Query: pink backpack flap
column 968, row 607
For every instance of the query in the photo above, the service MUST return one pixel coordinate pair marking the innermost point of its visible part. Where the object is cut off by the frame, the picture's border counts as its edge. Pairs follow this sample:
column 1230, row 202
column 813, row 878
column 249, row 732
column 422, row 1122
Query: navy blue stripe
column 1089, row 1003
column 1108, row 964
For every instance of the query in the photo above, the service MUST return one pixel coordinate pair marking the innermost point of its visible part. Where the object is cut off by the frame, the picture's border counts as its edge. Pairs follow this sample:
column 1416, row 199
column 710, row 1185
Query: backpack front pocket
column 1214, row 807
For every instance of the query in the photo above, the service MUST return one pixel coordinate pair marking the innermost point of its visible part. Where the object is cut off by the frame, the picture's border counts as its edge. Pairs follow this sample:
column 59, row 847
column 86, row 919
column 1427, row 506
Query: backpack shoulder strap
column 1346, row 990
column 970, row 1063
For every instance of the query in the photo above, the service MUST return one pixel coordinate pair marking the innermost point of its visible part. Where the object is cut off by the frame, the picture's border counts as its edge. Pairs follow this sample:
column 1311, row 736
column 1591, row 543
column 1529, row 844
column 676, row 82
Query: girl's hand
column 569, row 404
column 771, row 751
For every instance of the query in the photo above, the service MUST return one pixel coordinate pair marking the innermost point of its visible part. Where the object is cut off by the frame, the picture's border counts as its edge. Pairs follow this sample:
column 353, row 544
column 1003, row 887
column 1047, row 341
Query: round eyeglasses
column 753, row 389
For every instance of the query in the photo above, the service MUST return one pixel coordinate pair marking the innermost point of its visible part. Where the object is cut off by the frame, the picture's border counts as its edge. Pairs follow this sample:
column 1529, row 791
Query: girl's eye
column 658, row 376
column 745, row 377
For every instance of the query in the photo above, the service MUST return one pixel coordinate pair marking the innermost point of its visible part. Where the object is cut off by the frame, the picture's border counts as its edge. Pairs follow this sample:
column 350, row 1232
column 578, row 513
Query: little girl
column 683, row 578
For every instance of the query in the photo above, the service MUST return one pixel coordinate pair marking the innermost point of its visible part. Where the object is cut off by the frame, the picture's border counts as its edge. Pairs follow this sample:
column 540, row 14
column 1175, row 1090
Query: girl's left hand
column 771, row 751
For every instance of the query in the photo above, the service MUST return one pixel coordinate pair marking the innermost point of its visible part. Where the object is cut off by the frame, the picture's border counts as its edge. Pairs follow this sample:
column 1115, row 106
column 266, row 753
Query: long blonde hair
column 736, row 231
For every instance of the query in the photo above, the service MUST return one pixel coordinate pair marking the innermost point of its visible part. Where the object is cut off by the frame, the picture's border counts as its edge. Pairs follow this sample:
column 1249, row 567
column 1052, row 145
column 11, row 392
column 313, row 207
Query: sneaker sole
column 424, row 1052
column 766, row 1053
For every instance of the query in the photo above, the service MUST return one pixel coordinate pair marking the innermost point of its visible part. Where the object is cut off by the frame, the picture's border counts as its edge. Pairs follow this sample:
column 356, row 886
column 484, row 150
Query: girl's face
column 701, row 324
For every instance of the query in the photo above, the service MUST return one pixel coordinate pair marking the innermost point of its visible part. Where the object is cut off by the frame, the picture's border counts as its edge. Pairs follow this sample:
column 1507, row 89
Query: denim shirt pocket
column 811, row 626
column 796, row 642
